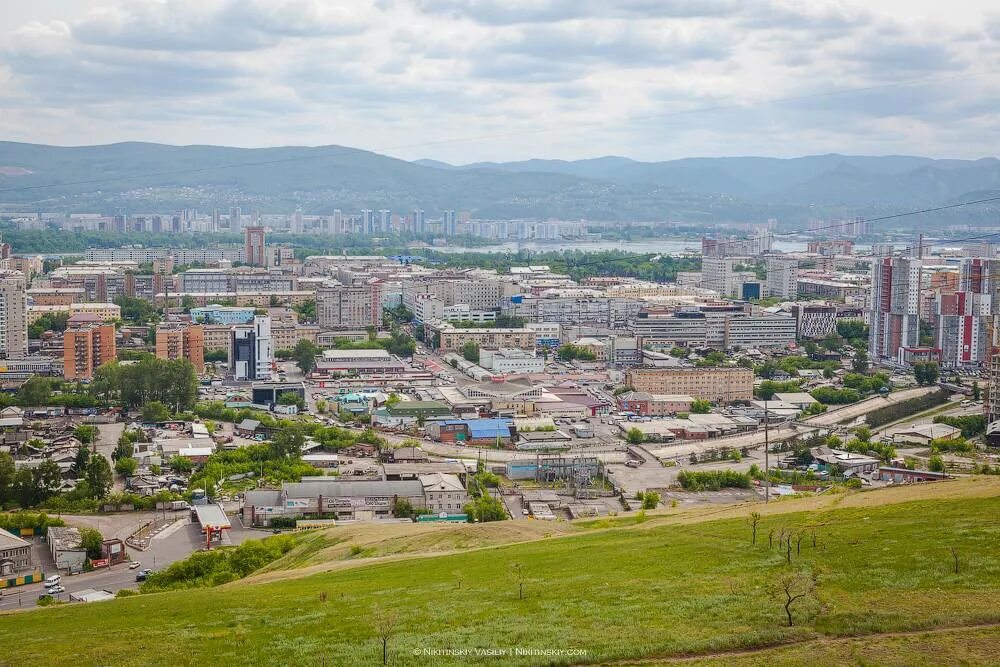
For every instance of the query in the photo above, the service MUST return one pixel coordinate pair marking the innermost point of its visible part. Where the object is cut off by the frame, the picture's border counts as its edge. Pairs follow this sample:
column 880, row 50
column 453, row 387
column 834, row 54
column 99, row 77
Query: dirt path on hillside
column 814, row 642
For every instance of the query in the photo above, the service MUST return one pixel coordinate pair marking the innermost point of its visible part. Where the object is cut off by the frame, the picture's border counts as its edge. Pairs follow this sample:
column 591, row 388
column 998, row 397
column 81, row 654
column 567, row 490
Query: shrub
column 713, row 480
column 211, row 568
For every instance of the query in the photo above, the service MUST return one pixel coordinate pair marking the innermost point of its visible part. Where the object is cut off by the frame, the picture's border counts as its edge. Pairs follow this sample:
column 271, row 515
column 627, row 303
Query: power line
column 344, row 150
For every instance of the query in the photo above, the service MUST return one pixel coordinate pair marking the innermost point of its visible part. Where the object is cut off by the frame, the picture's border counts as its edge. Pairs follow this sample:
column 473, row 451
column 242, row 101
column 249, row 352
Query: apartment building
column 87, row 344
column 782, row 277
column 720, row 385
column 452, row 339
column 180, row 255
column 13, row 314
column 105, row 311
column 349, row 307
column 894, row 308
column 181, row 340
column 52, row 296
column 718, row 327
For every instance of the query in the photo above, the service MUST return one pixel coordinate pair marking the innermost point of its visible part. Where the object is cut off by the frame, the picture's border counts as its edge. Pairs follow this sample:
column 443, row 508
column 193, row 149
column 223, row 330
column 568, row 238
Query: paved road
column 172, row 545
column 854, row 410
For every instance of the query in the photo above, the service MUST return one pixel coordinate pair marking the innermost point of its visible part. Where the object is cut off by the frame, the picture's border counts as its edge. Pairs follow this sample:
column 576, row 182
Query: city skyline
column 568, row 80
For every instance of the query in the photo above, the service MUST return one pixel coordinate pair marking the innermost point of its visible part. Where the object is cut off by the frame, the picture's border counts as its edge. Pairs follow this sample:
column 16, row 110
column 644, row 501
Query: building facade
column 894, row 308
column 13, row 314
column 719, row 385
column 87, row 344
column 182, row 340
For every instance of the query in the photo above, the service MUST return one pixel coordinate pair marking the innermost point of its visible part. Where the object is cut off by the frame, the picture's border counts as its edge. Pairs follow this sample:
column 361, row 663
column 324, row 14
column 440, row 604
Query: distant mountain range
column 154, row 177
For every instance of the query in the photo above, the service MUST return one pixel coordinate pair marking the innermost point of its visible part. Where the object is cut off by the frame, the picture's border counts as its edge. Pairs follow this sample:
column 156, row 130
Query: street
column 173, row 544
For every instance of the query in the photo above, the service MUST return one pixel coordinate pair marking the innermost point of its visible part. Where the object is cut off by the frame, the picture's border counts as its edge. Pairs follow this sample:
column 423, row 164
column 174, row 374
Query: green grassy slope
column 652, row 590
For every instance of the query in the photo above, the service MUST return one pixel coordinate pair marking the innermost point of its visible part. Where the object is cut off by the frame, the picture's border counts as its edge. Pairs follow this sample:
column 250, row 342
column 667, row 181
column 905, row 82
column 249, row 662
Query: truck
column 178, row 505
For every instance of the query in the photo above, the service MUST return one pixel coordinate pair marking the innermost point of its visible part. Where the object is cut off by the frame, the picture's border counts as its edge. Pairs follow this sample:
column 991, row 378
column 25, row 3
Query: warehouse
column 341, row 499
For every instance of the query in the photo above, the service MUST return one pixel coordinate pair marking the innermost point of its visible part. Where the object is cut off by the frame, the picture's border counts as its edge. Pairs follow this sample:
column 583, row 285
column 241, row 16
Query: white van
column 53, row 580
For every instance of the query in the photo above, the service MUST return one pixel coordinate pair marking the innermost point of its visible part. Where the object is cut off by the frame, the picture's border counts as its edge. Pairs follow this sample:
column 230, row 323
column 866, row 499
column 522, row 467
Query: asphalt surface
column 173, row 544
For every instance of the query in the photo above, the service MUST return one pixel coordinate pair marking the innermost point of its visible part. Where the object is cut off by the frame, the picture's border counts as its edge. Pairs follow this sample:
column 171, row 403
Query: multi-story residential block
column 719, row 274
column 180, row 255
column 13, row 314
column 54, row 296
column 782, row 277
column 255, row 244
column 105, row 311
column 452, row 339
column 721, row 385
column 719, row 327
column 349, row 307
column 181, row 340
column 894, row 305
column 87, row 344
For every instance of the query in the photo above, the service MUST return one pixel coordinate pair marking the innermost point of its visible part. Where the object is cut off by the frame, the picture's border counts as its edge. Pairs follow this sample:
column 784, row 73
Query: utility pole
column 767, row 459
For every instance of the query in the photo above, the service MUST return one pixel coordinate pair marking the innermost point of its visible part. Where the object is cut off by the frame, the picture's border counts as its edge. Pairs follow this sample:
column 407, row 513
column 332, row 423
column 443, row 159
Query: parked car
column 633, row 463
column 53, row 590
column 143, row 574
column 134, row 565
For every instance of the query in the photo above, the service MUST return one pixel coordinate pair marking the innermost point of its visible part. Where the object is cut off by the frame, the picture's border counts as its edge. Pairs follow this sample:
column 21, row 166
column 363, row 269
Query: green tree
column 287, row 443
column 291, row 398
column 37, row 391
column 701, row 406
column 650, row 500
column 187, row 303
column 935, row 463
column 8, row 473
column 860, row 362
column 976, row 392
column 180, row 464
column 99, row 477
column 926, row 372
column 86, row 433
column 634, row 436
column 92, row 541
column 305, row 354
column 485, row 508
column 811, row 348
column 81, row 461
column 216, row 355
column 155, row 411
column 126, row 467
column 470, row 351
column 306, row 310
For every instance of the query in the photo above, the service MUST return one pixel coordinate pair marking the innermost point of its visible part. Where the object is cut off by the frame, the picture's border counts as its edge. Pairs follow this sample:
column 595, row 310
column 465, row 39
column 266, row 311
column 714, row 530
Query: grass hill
column 674, row 586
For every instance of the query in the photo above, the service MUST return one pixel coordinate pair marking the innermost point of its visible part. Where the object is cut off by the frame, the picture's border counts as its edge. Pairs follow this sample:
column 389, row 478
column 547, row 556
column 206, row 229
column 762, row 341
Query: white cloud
column 653, row 79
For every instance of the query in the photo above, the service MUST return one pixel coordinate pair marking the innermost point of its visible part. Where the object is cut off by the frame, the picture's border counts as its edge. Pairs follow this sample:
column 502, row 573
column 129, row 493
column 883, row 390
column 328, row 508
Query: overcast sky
column 470, row 80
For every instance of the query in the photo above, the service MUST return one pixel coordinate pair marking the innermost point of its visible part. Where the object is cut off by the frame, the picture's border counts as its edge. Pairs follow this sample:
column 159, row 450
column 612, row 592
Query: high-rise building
column 216, row 218
column 87, row 344
column 255, row 246
column 719, row 274
column 894, row 308
column 235, row 220
column 336, row 222
column 349, row 307
column 449, row 223
column 418, row 223
column 782, row 277
column 367, row 221
column 181, row 340
column 13, row 315
column 385, row 220
column 965, row 315
column 252, row 350
column 298, row 223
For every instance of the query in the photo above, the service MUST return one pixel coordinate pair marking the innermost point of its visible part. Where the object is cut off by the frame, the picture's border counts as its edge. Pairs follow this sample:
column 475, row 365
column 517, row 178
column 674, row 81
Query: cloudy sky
column 469, row 80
